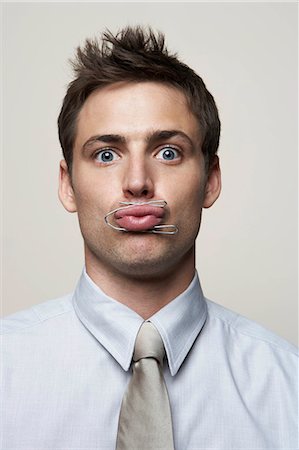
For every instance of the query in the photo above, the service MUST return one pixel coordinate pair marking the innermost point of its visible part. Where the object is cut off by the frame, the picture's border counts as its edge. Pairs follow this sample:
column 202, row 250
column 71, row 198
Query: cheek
column 89, row 191
column 97, row 187
column 188, row 193
column 188, row 202
column 85, row 197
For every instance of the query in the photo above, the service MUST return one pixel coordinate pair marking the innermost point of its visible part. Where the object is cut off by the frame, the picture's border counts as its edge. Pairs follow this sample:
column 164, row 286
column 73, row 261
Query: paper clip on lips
column 157, row 229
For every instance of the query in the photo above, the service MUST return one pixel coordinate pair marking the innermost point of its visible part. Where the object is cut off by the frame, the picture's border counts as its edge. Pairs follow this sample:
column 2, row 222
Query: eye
column 168, row 154
column 106, row 156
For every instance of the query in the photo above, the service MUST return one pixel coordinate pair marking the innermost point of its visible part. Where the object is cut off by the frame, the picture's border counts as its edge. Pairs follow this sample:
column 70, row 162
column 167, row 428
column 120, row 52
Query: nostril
column 142, row 193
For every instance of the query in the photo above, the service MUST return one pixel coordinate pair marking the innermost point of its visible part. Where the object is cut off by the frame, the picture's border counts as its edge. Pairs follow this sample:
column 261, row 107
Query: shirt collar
column 180, row 322
column 116, row 326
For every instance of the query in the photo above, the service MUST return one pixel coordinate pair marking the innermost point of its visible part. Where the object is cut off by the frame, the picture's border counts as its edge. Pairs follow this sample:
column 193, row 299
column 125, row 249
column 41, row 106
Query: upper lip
column 140, row 211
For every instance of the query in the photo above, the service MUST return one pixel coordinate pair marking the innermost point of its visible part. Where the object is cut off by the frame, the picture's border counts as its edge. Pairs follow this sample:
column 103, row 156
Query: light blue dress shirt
column 66, row 364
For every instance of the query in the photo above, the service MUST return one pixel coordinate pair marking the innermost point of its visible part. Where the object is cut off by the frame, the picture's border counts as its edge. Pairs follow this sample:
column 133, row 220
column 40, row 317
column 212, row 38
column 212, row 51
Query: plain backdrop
column 247, row 56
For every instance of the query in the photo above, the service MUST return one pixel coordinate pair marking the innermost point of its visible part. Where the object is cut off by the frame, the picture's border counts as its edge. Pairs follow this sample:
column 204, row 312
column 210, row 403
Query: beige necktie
column 145, row 418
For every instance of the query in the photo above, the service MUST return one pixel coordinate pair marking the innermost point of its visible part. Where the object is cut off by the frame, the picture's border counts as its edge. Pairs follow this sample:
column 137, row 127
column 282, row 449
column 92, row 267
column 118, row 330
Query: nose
column 138, row 180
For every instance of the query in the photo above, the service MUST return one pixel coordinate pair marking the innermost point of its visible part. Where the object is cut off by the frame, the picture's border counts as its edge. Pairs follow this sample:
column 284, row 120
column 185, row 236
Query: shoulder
column 237, row 327
column 37, row 315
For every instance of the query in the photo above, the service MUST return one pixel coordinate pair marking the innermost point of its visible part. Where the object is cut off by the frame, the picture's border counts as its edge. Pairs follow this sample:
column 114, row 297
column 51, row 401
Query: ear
column 213, row 184
column 66, row 191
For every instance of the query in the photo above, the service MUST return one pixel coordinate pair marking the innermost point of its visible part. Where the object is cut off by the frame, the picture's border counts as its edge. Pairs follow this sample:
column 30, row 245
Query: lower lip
column 135, row 223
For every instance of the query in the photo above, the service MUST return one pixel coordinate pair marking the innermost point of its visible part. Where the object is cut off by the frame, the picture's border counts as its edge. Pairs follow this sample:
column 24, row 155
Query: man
column 139, row 133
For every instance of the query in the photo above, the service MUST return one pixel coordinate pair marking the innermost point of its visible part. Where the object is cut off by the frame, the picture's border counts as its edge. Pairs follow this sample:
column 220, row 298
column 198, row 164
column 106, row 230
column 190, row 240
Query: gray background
column 247, row 55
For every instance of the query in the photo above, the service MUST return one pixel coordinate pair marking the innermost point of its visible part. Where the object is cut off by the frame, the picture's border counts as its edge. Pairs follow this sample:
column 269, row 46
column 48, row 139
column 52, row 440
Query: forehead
column 134, row 109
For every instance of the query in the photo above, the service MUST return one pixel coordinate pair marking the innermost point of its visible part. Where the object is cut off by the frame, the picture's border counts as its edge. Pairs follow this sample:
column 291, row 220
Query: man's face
column 138, row 142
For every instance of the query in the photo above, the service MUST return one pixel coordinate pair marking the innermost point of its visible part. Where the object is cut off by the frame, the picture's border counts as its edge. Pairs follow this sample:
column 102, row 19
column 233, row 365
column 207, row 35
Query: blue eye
column 106, row 156
column 168, row 154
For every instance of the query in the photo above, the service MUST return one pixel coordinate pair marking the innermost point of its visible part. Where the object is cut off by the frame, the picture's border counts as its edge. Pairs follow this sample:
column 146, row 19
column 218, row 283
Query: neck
column 144, row 296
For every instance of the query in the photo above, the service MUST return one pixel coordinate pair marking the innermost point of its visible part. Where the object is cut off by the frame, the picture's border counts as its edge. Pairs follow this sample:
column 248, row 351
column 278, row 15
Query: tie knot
column 149, row 344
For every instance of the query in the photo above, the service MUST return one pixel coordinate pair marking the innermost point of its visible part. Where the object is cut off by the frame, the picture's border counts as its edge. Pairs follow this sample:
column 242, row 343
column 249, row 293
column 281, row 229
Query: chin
column 142, row 270
column 141, row 256
column 151, row 262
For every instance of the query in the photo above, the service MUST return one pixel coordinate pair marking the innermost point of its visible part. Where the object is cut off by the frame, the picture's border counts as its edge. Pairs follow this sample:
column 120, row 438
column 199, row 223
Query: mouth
column 143, row 217
column 139, row 217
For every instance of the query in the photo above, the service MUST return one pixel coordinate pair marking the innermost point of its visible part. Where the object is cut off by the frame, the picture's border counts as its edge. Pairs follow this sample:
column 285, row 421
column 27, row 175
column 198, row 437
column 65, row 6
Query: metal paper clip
column 157, row 229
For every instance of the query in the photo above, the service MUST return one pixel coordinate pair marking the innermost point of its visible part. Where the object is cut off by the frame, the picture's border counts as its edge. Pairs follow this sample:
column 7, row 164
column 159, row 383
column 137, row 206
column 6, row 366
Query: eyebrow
column 167, row 134
column 107, row 138
column 150, row 139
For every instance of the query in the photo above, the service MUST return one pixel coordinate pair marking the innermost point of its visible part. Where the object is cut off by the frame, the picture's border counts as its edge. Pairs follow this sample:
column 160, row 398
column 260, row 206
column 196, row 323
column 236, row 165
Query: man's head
column 135, row 139
column 139, row 55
